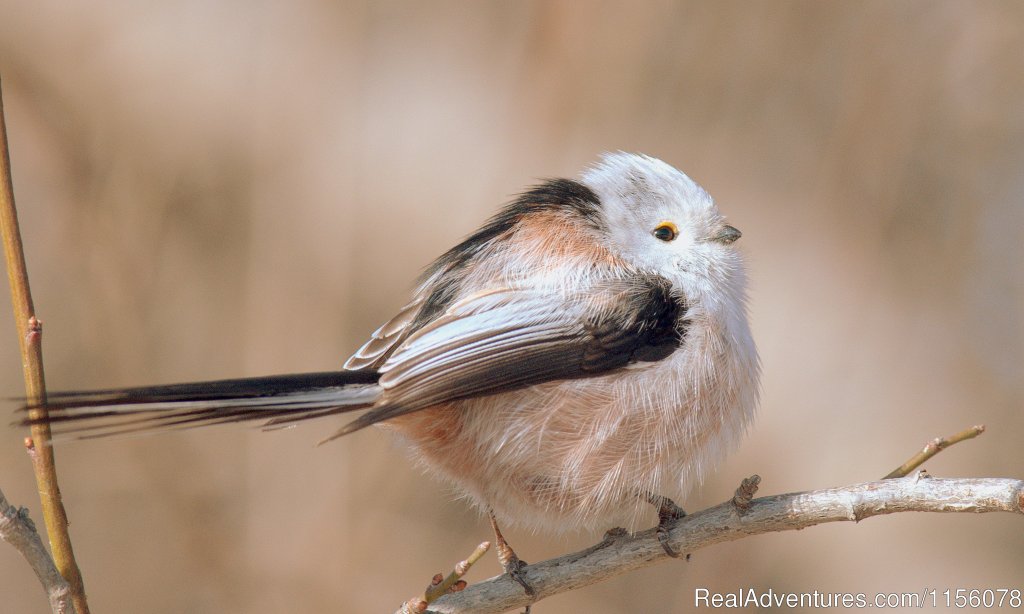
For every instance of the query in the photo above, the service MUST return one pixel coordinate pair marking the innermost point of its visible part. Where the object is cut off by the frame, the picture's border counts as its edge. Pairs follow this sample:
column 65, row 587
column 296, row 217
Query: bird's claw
column 669, row 514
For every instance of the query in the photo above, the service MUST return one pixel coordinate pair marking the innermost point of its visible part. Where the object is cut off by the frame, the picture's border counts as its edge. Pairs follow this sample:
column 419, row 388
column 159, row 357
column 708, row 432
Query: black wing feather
column 646, row 322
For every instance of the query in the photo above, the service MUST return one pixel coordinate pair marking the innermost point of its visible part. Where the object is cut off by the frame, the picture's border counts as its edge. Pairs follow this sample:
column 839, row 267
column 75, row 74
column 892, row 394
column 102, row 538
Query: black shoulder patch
column 552, row 195
column 555, row 194
column 648, row 328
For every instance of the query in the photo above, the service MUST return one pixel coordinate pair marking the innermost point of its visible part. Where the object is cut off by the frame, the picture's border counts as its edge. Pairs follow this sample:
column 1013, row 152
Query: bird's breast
column 583, row 452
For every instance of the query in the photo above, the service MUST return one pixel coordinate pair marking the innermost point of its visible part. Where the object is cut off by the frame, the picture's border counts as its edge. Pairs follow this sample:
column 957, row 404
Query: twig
column 934, row 447
column 745, row 493
column 441, row 586
column 721, row 523
column 30, row 337
column 17, row 529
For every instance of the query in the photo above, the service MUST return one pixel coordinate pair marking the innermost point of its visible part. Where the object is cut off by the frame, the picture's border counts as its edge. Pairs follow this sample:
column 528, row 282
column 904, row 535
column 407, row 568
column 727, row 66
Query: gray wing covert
column 506, row 339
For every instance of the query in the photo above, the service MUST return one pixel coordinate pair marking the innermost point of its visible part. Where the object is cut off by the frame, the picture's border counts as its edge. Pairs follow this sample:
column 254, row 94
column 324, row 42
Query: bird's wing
column 505, row 339
column 385, row 339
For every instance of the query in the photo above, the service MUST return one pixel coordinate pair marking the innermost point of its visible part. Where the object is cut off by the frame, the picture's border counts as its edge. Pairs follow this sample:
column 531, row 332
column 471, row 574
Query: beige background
column 226, row 189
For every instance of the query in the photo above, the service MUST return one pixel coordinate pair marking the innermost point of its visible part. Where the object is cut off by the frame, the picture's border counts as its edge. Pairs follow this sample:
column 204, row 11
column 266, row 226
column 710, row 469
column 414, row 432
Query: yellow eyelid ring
column 666, row 231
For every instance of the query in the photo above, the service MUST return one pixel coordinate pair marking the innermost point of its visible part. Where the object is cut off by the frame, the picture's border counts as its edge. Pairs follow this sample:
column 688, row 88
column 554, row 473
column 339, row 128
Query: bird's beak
column 727, row 235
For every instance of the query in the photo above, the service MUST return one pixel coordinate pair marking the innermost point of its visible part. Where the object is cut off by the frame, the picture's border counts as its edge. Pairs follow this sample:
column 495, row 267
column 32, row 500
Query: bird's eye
column 666, row 231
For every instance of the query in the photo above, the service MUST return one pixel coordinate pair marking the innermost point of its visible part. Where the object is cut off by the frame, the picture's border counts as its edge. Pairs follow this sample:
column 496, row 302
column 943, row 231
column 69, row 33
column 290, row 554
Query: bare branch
column 30, row 331
column 442, row 585
column 932, row 448
column 745, row 493
column 620, row 552
column 17, row 529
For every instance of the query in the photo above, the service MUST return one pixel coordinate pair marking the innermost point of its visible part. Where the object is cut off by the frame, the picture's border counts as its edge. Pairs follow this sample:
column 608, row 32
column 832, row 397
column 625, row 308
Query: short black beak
column 727, row 235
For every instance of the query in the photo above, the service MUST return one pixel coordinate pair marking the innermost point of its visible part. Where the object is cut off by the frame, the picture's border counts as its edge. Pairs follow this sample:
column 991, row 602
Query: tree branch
column 621, row 552
column 441, row 585
column 932, row 448
column 30, row 331
column 17, row 529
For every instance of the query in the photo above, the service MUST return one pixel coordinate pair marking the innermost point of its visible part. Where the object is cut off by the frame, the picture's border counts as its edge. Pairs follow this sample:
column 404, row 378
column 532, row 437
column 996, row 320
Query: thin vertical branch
column 30, row 338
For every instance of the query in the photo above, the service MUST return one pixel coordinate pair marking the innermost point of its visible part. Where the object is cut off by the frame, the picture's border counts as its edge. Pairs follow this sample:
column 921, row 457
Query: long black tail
column 278, row 400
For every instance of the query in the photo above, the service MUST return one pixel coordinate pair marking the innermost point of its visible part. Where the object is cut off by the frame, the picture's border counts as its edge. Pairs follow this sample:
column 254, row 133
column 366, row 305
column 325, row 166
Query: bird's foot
column 669, row 514
column 510, row 562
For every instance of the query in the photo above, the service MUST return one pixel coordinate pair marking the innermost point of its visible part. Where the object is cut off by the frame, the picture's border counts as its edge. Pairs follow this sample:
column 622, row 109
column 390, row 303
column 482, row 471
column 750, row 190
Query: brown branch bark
column 620, row 553
column 932, row 448
column 30, row 338
column 442, row 585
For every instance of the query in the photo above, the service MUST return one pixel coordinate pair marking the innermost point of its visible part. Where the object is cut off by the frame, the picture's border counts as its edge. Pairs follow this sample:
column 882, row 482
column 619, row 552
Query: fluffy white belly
column 586, row 453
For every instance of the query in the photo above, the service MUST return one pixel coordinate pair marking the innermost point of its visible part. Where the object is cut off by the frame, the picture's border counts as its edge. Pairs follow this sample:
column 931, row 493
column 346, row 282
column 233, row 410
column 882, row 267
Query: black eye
column 666, row 231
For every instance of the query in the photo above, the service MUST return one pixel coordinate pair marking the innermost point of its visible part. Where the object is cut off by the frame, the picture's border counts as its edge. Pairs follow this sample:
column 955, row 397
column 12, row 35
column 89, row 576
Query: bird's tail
column 278, row 401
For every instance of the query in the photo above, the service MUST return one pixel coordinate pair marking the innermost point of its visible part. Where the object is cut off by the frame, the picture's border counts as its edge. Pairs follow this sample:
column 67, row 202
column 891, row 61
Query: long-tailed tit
column 583, row 353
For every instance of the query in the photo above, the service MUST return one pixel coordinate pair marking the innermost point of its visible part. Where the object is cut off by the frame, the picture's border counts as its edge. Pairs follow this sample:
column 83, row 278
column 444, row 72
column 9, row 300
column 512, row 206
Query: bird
column 584, row 354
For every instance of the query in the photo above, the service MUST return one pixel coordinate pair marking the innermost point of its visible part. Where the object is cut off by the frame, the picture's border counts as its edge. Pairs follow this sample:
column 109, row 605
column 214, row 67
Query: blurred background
column 213, row 190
